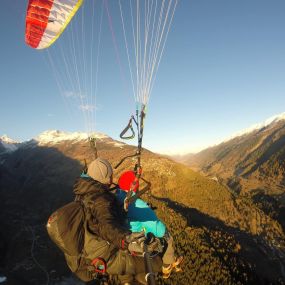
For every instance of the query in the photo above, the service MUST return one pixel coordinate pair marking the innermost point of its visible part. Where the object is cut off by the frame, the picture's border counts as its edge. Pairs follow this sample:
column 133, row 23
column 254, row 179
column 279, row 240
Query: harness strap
column 139, row 121
column 131, row 190
column 140, row 193
column 128, row 127
column 123, row 159
column 150, row 275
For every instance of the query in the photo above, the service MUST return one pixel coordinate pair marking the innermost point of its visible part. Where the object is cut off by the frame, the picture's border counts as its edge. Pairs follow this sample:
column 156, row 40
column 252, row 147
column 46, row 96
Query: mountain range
column 252, row 164
column 256, row 158
column 225, row 236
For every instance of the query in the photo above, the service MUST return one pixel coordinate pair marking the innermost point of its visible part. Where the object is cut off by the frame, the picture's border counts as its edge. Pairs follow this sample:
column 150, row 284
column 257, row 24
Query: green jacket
column 103, row 235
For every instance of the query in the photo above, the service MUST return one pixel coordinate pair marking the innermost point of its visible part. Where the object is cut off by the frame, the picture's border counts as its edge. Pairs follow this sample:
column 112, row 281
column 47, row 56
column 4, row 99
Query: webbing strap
column 131, row 190
column 138, row 168
column 150, row 275
column 139, row 121
column 123, row 159
column 125, row 130
column 140, row 192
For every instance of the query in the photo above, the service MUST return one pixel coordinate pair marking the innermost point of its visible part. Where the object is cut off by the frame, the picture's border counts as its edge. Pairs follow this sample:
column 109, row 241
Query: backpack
column 66, row 228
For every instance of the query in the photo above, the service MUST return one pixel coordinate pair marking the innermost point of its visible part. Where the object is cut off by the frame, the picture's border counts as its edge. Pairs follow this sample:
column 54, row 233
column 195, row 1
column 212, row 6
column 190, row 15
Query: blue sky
column 223, row 70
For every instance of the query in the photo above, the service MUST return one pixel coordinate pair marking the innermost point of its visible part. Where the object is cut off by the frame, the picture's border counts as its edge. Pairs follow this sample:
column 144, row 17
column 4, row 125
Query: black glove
column 152, row 243
column 135, row 242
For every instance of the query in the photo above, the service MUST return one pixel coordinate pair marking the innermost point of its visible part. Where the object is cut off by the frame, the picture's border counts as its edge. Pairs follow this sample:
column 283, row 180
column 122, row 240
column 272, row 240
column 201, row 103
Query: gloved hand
column 135, row 242
column 153, row 243
column 135, row 237
column 135, row 247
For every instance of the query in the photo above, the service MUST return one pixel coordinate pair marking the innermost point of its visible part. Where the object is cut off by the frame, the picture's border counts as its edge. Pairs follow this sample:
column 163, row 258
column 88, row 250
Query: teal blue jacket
column 140, row 217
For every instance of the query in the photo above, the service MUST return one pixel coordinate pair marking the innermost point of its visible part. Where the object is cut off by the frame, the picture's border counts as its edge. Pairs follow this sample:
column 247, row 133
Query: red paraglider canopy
column 47, row 19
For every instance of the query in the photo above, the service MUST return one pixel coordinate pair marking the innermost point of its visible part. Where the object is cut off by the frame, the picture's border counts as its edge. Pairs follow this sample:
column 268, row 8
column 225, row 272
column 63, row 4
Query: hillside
column 251, row 165
column 255, row 159
column 225, row 238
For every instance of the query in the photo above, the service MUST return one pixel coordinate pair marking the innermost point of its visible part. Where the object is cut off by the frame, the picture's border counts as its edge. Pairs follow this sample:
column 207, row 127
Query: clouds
column 73, row 94
column 84, row 103
column 87, row 107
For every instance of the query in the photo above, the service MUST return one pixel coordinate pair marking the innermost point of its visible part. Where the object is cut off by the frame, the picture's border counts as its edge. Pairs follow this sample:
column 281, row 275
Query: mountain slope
column 7, row 146
column 226, row 239
column 255, row 159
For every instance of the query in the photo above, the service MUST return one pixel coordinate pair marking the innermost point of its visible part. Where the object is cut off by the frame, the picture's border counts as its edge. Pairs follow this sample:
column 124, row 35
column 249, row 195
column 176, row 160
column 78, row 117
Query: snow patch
column 8, row 144
column 271, row 120
column 117, row 144
column 198, row 147
column 55, row 136
column 7, row 140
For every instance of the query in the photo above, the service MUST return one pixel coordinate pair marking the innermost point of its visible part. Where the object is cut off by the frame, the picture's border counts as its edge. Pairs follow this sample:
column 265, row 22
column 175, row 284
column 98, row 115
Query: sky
column 222, row 70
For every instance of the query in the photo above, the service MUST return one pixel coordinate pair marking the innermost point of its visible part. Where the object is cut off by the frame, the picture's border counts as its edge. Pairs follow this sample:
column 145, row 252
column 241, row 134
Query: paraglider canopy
column 47, row 19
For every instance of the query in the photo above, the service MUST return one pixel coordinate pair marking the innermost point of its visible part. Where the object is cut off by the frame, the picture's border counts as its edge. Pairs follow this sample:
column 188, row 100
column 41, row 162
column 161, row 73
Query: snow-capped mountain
column 7, row 140
column 7, row 144
column 55, row 136
column 267, row 123
column 255, row 157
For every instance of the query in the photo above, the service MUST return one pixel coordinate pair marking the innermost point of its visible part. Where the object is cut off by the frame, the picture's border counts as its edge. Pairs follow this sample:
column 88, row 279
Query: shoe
column 177, row 264
column 167, row 269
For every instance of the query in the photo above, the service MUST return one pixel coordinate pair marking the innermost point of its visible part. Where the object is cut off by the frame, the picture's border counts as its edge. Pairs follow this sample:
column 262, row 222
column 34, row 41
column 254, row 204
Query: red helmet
column 126, row 180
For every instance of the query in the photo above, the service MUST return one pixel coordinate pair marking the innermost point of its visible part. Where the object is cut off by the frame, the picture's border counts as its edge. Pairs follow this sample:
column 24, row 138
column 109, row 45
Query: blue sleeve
column 155, row 227
column 141, row 217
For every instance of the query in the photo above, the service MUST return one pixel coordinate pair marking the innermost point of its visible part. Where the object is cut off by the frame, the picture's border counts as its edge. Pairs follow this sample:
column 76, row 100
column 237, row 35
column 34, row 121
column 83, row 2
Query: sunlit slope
column 254, row 160
column 180, row 184
column 225, row 239
column 169, row 179
column 222, row 236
